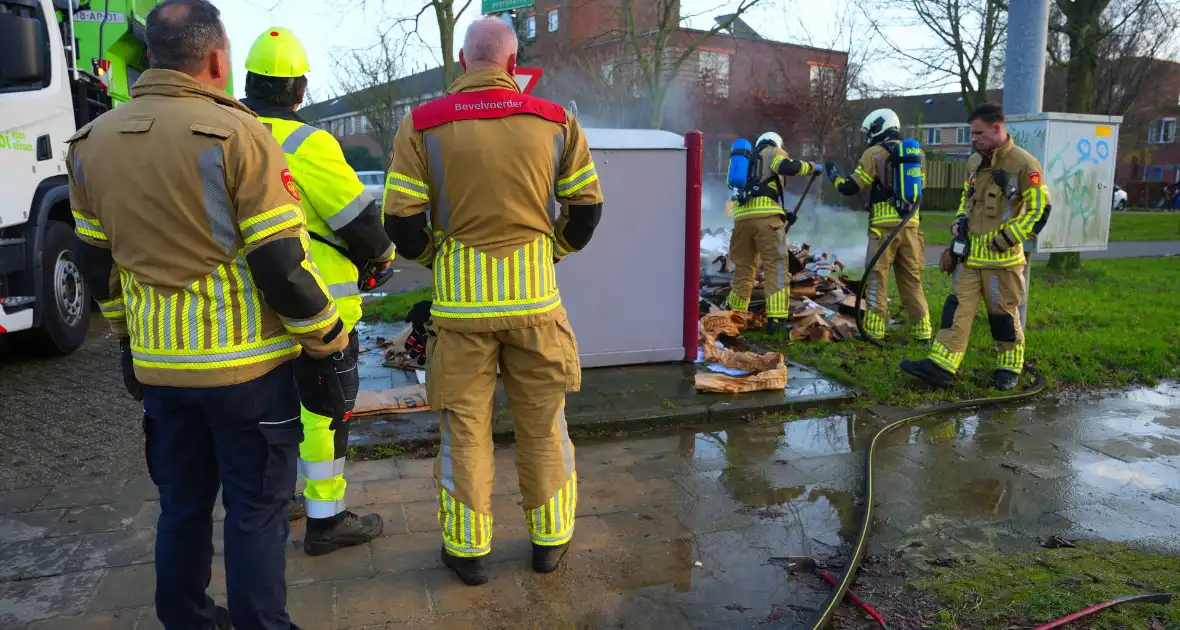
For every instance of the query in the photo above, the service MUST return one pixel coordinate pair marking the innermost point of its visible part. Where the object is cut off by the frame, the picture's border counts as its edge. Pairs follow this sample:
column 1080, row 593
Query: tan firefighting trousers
column 906, row 255
column 1003, row 292
column 539, row 365
column 753, row 239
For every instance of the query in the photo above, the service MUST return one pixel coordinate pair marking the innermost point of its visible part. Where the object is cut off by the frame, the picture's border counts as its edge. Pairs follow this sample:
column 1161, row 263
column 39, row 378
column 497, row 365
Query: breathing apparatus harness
column 904, row 193
column 745, row 166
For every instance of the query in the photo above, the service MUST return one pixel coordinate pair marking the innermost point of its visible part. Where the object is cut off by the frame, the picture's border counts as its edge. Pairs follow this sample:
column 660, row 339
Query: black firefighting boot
column 346, row 529
column 1005, row 380
column 777, row 327
column 221, row 619
column 297, row 508
column 546, row 558
column 473, row 571
column 928, row 371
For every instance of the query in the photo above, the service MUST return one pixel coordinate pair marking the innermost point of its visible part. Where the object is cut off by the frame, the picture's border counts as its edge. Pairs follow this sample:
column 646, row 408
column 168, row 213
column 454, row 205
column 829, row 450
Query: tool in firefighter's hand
column 374, row 274
column 794, row 214
column 947, row 262
column 830, row 171
column 418, row 318
column 960, row 245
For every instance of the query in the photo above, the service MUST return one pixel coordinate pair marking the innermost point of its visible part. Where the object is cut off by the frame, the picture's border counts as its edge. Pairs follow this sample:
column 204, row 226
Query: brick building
column 736, row 84
column 1148, row 147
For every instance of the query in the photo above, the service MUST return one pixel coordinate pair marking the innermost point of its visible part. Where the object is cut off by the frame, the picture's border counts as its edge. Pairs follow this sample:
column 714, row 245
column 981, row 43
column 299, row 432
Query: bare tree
column 651, row 45
column 970, row 37
column 1106, row 48
column 446, row 16
column 368, row 81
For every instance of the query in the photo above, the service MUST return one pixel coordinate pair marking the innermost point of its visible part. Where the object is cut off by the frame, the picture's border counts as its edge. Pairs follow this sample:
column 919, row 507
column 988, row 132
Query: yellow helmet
column 277, row 53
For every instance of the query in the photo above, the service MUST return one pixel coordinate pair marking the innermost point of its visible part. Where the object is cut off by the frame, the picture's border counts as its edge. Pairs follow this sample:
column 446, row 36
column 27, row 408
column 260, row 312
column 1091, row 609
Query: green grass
column 1021, row 590
column 1110, row 324
column 392, row 308
column 1124, row 226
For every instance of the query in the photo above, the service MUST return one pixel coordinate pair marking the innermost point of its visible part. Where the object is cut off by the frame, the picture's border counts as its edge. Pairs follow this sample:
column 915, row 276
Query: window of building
column 531, row 26
column 1153, row 173
column 809, row 149
column 963, row 135
column 822, row 78
column 714, row 72
column 364, row 124
column 552, row 20
column 1162, row 131
column 933, row 135
column 608, row 72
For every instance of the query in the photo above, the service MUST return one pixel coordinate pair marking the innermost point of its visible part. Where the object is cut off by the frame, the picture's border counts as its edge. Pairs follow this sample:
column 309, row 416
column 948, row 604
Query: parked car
column 374, row 182
column 1120, row 199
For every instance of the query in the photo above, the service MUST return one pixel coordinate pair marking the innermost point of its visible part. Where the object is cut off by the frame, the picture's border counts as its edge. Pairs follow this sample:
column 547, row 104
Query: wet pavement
column 675, row 530
column 614, row 398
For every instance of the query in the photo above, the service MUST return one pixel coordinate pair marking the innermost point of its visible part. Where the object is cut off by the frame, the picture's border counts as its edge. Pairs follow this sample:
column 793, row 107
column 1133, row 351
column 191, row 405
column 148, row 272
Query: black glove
column 328, row 386
column 789, row 219
column 129, row 381
column 418, row 317
column 830, row 171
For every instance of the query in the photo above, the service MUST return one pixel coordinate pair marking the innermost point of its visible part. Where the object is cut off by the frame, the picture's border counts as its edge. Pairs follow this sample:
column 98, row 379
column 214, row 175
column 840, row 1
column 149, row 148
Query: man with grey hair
column 192, row 241
column 469, row 191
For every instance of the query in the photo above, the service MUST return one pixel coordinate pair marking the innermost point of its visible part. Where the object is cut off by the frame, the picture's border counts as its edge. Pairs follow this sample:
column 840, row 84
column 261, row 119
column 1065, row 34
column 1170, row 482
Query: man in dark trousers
column 194, row 243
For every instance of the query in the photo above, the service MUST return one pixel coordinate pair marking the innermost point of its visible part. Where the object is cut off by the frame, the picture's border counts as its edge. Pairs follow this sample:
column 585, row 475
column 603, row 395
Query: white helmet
column 878, row 122
column 769, row 137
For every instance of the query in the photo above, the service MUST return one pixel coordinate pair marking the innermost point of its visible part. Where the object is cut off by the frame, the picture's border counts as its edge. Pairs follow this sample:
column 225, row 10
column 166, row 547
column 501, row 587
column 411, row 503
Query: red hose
column 1150, row 598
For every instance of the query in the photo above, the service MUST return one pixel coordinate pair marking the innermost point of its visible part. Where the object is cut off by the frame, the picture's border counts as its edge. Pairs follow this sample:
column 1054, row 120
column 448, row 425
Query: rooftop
column 412, row 86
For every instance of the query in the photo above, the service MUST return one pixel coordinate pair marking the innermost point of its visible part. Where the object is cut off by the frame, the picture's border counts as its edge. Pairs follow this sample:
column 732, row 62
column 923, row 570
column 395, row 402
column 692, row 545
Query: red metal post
column 694, row 161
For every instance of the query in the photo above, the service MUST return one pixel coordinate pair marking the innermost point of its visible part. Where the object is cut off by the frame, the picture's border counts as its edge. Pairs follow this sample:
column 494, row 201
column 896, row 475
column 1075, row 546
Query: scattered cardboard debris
column 755, row 371
column 371, row 402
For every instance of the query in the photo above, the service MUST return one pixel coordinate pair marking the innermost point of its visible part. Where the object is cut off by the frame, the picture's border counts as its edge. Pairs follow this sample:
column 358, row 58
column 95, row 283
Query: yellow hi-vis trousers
column 760, row 238
column 906, row 255
column 321, row 454
column 1003, row 291
column 538, row 365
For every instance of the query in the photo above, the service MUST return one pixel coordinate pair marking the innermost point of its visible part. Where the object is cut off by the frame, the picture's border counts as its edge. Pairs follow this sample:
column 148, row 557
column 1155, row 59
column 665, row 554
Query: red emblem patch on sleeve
column 289, row 184
column 1035, row 178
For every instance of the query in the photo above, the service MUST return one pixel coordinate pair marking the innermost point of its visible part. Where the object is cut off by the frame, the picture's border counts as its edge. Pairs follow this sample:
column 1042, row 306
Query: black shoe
column 297, row 508
column 221, row 618
column 325, row 535
column 777, row 327
column 473, row 571
column 928, row 371
column 1005, row 380
column 546, row 558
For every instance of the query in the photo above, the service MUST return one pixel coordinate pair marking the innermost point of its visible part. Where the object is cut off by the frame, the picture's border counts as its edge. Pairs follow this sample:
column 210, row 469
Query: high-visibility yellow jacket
column 343, row 219
column 1006, row 216
column 775, row 164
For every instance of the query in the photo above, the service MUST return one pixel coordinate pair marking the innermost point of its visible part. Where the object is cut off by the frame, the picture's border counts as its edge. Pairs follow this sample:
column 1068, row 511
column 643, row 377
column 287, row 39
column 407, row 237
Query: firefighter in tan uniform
column 760, row 233
column 906, row 254
column 193, row 242
column 1005, row 202
column 469, row 193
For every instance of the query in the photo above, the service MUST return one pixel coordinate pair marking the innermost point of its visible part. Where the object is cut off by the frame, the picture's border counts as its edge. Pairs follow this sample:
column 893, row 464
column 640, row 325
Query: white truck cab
column 44, row 99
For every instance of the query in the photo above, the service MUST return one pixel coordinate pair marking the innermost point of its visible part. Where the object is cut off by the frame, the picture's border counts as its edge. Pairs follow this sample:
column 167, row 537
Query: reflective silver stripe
column 217, row 205
column 324, row 509
column 315, row 321
column 558, row 152
column 321, row 471
column 402, row 181
column 295, row 140
column 269, row 222
column 212, row 357
column 434, row 162
column 350, row 211
column 446, row 471
column 88, row 223
column 221, row 307
column 593, row 172
column 249, row 296
column 343, row 290
column 498, row 308
column 111, row 306
column 387, row 254
column 993, row 289
column 78, row 177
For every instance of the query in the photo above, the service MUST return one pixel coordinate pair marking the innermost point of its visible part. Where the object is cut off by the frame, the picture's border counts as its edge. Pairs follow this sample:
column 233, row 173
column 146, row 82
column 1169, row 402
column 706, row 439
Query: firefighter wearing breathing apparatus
column 349, row 247
column 1004, row 203
column 761, row 224
column 883, row 171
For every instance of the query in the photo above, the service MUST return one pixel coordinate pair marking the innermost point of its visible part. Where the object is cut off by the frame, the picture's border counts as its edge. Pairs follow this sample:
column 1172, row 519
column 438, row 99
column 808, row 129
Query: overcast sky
column 327, row 30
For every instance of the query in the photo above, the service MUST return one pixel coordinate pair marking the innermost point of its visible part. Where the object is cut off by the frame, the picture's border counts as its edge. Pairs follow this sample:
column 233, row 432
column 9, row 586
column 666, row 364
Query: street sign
column 526, row 78
column 497, row 6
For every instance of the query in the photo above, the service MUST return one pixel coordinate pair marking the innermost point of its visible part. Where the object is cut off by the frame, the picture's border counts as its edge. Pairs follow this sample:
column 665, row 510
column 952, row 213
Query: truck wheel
column 64, row 299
